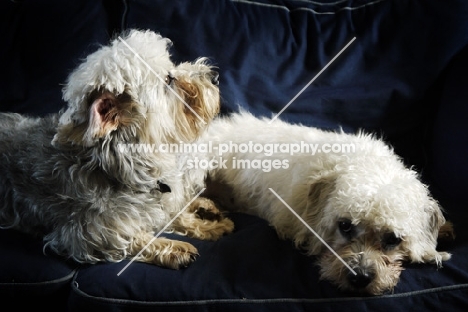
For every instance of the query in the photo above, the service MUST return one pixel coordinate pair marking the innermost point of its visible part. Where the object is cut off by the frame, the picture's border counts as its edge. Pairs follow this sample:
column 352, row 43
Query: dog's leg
column 162, row 251
column 203, row 220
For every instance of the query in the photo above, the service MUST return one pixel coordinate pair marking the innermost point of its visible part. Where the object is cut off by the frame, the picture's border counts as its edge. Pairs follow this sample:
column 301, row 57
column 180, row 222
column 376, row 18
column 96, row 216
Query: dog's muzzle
column 214, row 78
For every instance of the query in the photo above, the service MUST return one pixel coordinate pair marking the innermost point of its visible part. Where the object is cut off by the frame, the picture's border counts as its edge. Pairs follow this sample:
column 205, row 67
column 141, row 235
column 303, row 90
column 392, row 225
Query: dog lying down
column 352, row 190
column 69, row 177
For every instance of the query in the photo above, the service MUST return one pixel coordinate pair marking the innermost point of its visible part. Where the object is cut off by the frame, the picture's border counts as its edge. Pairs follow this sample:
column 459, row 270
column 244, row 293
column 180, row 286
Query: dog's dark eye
column 347, row 229
column 389, row 241
column 169, row 79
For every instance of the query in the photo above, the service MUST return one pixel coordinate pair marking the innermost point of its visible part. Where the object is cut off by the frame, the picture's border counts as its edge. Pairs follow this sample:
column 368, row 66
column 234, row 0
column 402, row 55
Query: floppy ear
column 423, row 249
column 320, row 188
column 105, row 114
column 198, row 110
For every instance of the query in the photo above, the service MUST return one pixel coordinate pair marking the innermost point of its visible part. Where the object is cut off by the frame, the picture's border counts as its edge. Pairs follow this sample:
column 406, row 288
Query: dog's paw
column 175, row 254
column 214, row 224
column 162, row 251
column 215, row 230
column 444, row 256
column 436, row 257
column 203, row 220
column 205, row 209
column 208, row 214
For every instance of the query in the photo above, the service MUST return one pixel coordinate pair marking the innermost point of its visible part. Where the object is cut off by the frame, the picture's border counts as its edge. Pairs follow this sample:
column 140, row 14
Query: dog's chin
column 383, row 272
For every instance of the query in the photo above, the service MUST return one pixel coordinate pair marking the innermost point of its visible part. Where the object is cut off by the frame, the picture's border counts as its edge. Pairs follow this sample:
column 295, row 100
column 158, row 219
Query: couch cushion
column 28, row 276
column 252, row 270
column 267, row 51
column 449, row 149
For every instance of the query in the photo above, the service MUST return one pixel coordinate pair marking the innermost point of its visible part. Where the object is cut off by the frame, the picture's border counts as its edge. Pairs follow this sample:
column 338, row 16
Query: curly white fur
column 385, row 213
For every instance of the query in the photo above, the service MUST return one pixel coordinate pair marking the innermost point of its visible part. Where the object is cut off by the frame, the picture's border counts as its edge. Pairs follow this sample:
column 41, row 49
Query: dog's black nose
column 215, row 78
column 361, row 279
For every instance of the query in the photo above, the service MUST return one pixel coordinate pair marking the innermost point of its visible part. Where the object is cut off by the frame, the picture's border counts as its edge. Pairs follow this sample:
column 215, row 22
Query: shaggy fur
column 371, row 209
column 68, row 177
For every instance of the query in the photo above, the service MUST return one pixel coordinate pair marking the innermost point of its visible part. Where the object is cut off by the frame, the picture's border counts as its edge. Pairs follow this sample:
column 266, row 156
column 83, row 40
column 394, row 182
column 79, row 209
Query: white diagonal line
column 160, row 78
column 310, row 82
column 159, row 233
column 313, row 232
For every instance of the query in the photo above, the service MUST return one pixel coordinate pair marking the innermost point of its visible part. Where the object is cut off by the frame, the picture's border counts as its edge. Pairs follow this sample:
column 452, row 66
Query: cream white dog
column 76, row 179
column 352, row 190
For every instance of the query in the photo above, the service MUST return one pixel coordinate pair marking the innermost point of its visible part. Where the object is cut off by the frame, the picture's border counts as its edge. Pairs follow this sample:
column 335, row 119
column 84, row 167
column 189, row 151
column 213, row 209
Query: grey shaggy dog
column 66, row 177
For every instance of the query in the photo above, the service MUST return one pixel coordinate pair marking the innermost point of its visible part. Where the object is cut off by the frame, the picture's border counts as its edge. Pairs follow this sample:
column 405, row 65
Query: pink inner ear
column 104, row 103
column 103, row 106
column 100, row 121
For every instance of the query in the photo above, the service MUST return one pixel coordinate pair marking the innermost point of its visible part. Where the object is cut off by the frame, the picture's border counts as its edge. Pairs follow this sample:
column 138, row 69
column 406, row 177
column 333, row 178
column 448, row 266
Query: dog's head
column 131, row 91
column 375, row 214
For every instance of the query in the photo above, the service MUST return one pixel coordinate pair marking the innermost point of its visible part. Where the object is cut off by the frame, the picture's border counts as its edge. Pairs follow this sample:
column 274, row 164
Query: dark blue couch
column 404, row 77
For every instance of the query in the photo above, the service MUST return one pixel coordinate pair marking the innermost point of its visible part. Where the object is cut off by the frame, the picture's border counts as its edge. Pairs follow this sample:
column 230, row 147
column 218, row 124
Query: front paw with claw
column 164, row 252
column 203, row 220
